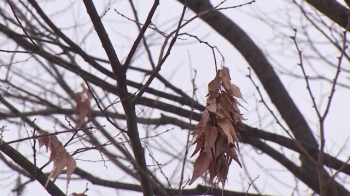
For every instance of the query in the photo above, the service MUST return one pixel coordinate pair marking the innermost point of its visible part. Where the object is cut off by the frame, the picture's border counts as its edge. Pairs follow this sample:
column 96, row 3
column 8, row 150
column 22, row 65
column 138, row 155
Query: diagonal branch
column 19, row 159
column 141, row 35
column 332, row 9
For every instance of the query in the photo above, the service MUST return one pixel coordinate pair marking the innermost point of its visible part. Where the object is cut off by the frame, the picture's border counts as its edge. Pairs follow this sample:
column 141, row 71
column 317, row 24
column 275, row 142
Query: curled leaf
column 58, row 154
column 82, row 100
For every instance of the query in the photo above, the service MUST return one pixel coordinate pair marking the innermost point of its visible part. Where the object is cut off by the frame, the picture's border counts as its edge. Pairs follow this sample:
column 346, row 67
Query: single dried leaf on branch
column 211, row 104
column 200, row 166
column 209, row 145
column 216, row 133
column 82, row 100
column 214, row 86
column 226, row 82
column 44, row 140
column 58, row 154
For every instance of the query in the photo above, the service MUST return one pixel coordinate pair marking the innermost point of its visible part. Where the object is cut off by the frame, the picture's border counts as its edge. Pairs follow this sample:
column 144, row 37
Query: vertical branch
column 128, row 106
column 322, row 117
column 330, row 98
column 319, row 164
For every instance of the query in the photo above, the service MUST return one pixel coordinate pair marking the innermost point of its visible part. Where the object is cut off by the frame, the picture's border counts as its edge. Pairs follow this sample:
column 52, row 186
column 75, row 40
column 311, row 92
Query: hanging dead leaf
column 216, row 133
column 82, row 100
column 200, row 144
column 58, row 155
column 232, row 153
column 221, row 146
column 222, row 112
column 211, row 134
column 44, row 140
column 235, row 91
column 222, row 167
column 226, row 82
column 212, row 171
column 211, row 104
column 86, row 91
column 224, row 126
column 226, row 103
column 214, row 86
column 200, row 166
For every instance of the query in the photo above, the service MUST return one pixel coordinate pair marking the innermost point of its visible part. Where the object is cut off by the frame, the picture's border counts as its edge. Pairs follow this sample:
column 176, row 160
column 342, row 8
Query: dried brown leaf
column 221, row 146
column 212, row 171
column 205, row 116
column 71, row 165
column 222, row 112
column 238, row 117
column 56, row 148
column 235, row 91
column 214, row 86
column 82, row 100
column 60, row 158
column 60, row 162
column 233, row 133
column 234, row 102
column 200, row 166
column 211, row 134
column 44, row 140
column 211, row 104
column 86, row 92
column 78, row 97
column 232, row 153
column 201, row 125
column 200, row 144
column 222, row 167
column 225, row 77
column 226, row 82
column 225, row 126
column 226, row 103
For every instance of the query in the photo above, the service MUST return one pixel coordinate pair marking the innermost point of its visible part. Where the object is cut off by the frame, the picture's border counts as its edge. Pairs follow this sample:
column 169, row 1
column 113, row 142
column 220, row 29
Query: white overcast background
column 189, row 55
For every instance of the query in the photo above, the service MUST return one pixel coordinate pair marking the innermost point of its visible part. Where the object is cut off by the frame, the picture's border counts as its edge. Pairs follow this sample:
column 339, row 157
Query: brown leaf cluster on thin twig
column 216, row 133
column 60, row 157
column 83, row 105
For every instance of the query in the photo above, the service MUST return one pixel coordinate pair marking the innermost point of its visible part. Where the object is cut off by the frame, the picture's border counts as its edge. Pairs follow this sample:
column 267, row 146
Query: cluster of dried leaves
column 60, row 157
column 83, row 105
column 216, row 133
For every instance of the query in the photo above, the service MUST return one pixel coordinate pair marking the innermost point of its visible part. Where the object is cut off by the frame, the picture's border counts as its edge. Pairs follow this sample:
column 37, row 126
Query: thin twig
column 162, row 58
column 141, row 35
column 250, row 184
column 330, row 98
column 194, row 89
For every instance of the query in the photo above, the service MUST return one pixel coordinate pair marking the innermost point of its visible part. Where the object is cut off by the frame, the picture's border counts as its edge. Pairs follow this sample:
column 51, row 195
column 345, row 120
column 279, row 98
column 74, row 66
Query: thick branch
column 332, row 9
column 305, row 175
column 19, row 159
column 199, row 190
column 129, row 107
